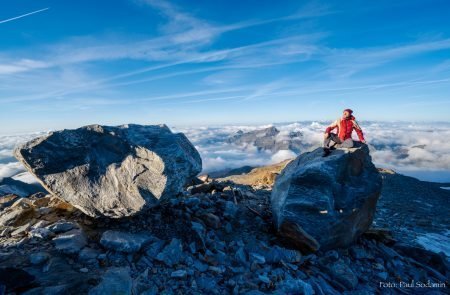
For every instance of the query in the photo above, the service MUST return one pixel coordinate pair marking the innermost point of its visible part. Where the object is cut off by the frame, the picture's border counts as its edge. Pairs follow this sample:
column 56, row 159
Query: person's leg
column 332, row 139
column 326, row 142
column 336, row 141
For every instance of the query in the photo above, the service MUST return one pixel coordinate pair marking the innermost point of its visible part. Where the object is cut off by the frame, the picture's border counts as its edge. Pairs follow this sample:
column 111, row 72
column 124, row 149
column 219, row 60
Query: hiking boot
column 326, row 152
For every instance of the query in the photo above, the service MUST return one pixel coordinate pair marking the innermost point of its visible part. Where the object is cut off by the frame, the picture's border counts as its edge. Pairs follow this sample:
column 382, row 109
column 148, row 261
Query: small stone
column 382, row 275
column 211, row 220
column 333, row 255
column 88, row 254
column 277, row 254
column 153, row 249
column 40, row 233
column 207, row 283
column 240, row 256
column 265, row 279
column 201, row 267
column 378, row 266
column 255, row 257
column 201, row 188
column 228, row 228
column 359, row 253
column 231, row 283
column 62, row 226
column 200, row 231
column 204, row 177
column 50, row 290
column 388, row 252
column 114, row 281
column 191, row 202
column 322, row 287
column 20, row 230
column 123, row 241
column 39, row 258
column 18, row 213
column 5, row 231
column 295, row 286
column 217, row 269
column 172, row 254
column 102, row 256
column 231, row 209
column 343, row 274
column 192, row 248
column 44, row 211
column 40, row 224
column 84, row 270
column 181, row 273
column 7, row 200
column 70, row 242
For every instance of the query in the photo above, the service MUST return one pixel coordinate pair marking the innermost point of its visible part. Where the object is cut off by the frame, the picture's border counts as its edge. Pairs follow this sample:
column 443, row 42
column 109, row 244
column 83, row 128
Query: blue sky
column 65, row 64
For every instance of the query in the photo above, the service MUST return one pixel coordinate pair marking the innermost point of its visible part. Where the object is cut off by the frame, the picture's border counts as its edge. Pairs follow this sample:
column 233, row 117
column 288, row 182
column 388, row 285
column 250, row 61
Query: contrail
column 23, row 15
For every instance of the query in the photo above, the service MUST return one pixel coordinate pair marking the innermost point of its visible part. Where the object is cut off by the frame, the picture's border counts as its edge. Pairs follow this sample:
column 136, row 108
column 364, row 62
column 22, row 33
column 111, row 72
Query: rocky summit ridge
column 220, row 236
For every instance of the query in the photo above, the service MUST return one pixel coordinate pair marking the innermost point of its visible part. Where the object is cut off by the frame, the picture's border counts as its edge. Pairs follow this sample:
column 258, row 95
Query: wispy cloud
column 23, row 15
column 110, row 69
column 257, row 55
column 346, row 62
column 22, row 65
column 278, row 90
column 266, row 89
column 182, row 40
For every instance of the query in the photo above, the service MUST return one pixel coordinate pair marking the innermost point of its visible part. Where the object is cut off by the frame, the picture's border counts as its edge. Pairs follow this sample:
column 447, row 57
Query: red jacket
column 345, row 127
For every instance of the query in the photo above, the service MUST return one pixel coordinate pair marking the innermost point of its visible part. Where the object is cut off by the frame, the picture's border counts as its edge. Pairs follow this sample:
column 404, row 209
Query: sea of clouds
column 421, row 150
column 417, row 149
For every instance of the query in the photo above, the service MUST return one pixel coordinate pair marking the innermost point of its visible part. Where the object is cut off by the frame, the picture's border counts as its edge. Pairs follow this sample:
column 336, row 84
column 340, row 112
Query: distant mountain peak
column 269, row 138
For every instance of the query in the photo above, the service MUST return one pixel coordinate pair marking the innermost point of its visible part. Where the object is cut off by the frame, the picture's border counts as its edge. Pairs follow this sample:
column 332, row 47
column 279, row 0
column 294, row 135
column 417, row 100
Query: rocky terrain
column 220, row 236
column 263, row 176
column 15, row 185
column 269, row 139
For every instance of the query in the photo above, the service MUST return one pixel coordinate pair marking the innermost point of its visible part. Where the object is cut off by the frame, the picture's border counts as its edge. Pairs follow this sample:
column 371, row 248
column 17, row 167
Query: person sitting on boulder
column 343, row 138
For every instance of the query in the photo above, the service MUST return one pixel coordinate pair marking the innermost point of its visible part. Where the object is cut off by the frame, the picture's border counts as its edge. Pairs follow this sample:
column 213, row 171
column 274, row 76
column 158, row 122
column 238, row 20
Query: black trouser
column 334, row 140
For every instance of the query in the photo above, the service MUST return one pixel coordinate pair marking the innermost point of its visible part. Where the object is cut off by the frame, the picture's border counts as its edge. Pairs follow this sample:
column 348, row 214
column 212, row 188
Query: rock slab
column 112, row 171
column 123, row 241
column 70, row 242
column 326, row 202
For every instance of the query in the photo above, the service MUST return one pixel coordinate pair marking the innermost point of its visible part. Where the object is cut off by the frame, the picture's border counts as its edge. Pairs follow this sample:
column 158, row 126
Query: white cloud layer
column 412, row 148
column 406, row 147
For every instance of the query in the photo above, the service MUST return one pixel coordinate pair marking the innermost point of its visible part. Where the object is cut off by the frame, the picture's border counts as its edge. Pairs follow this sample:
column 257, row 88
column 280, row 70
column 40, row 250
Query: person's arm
column 358, row 131
column 331, row 127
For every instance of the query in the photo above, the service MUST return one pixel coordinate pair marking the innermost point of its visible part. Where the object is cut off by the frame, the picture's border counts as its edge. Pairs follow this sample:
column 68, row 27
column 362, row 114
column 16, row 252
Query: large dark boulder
column 326, row 202
column 112, row 171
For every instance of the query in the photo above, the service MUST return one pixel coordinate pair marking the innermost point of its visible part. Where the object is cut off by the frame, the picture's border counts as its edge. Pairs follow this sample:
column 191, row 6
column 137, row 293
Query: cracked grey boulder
column 326, row 202
column 112, row 171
